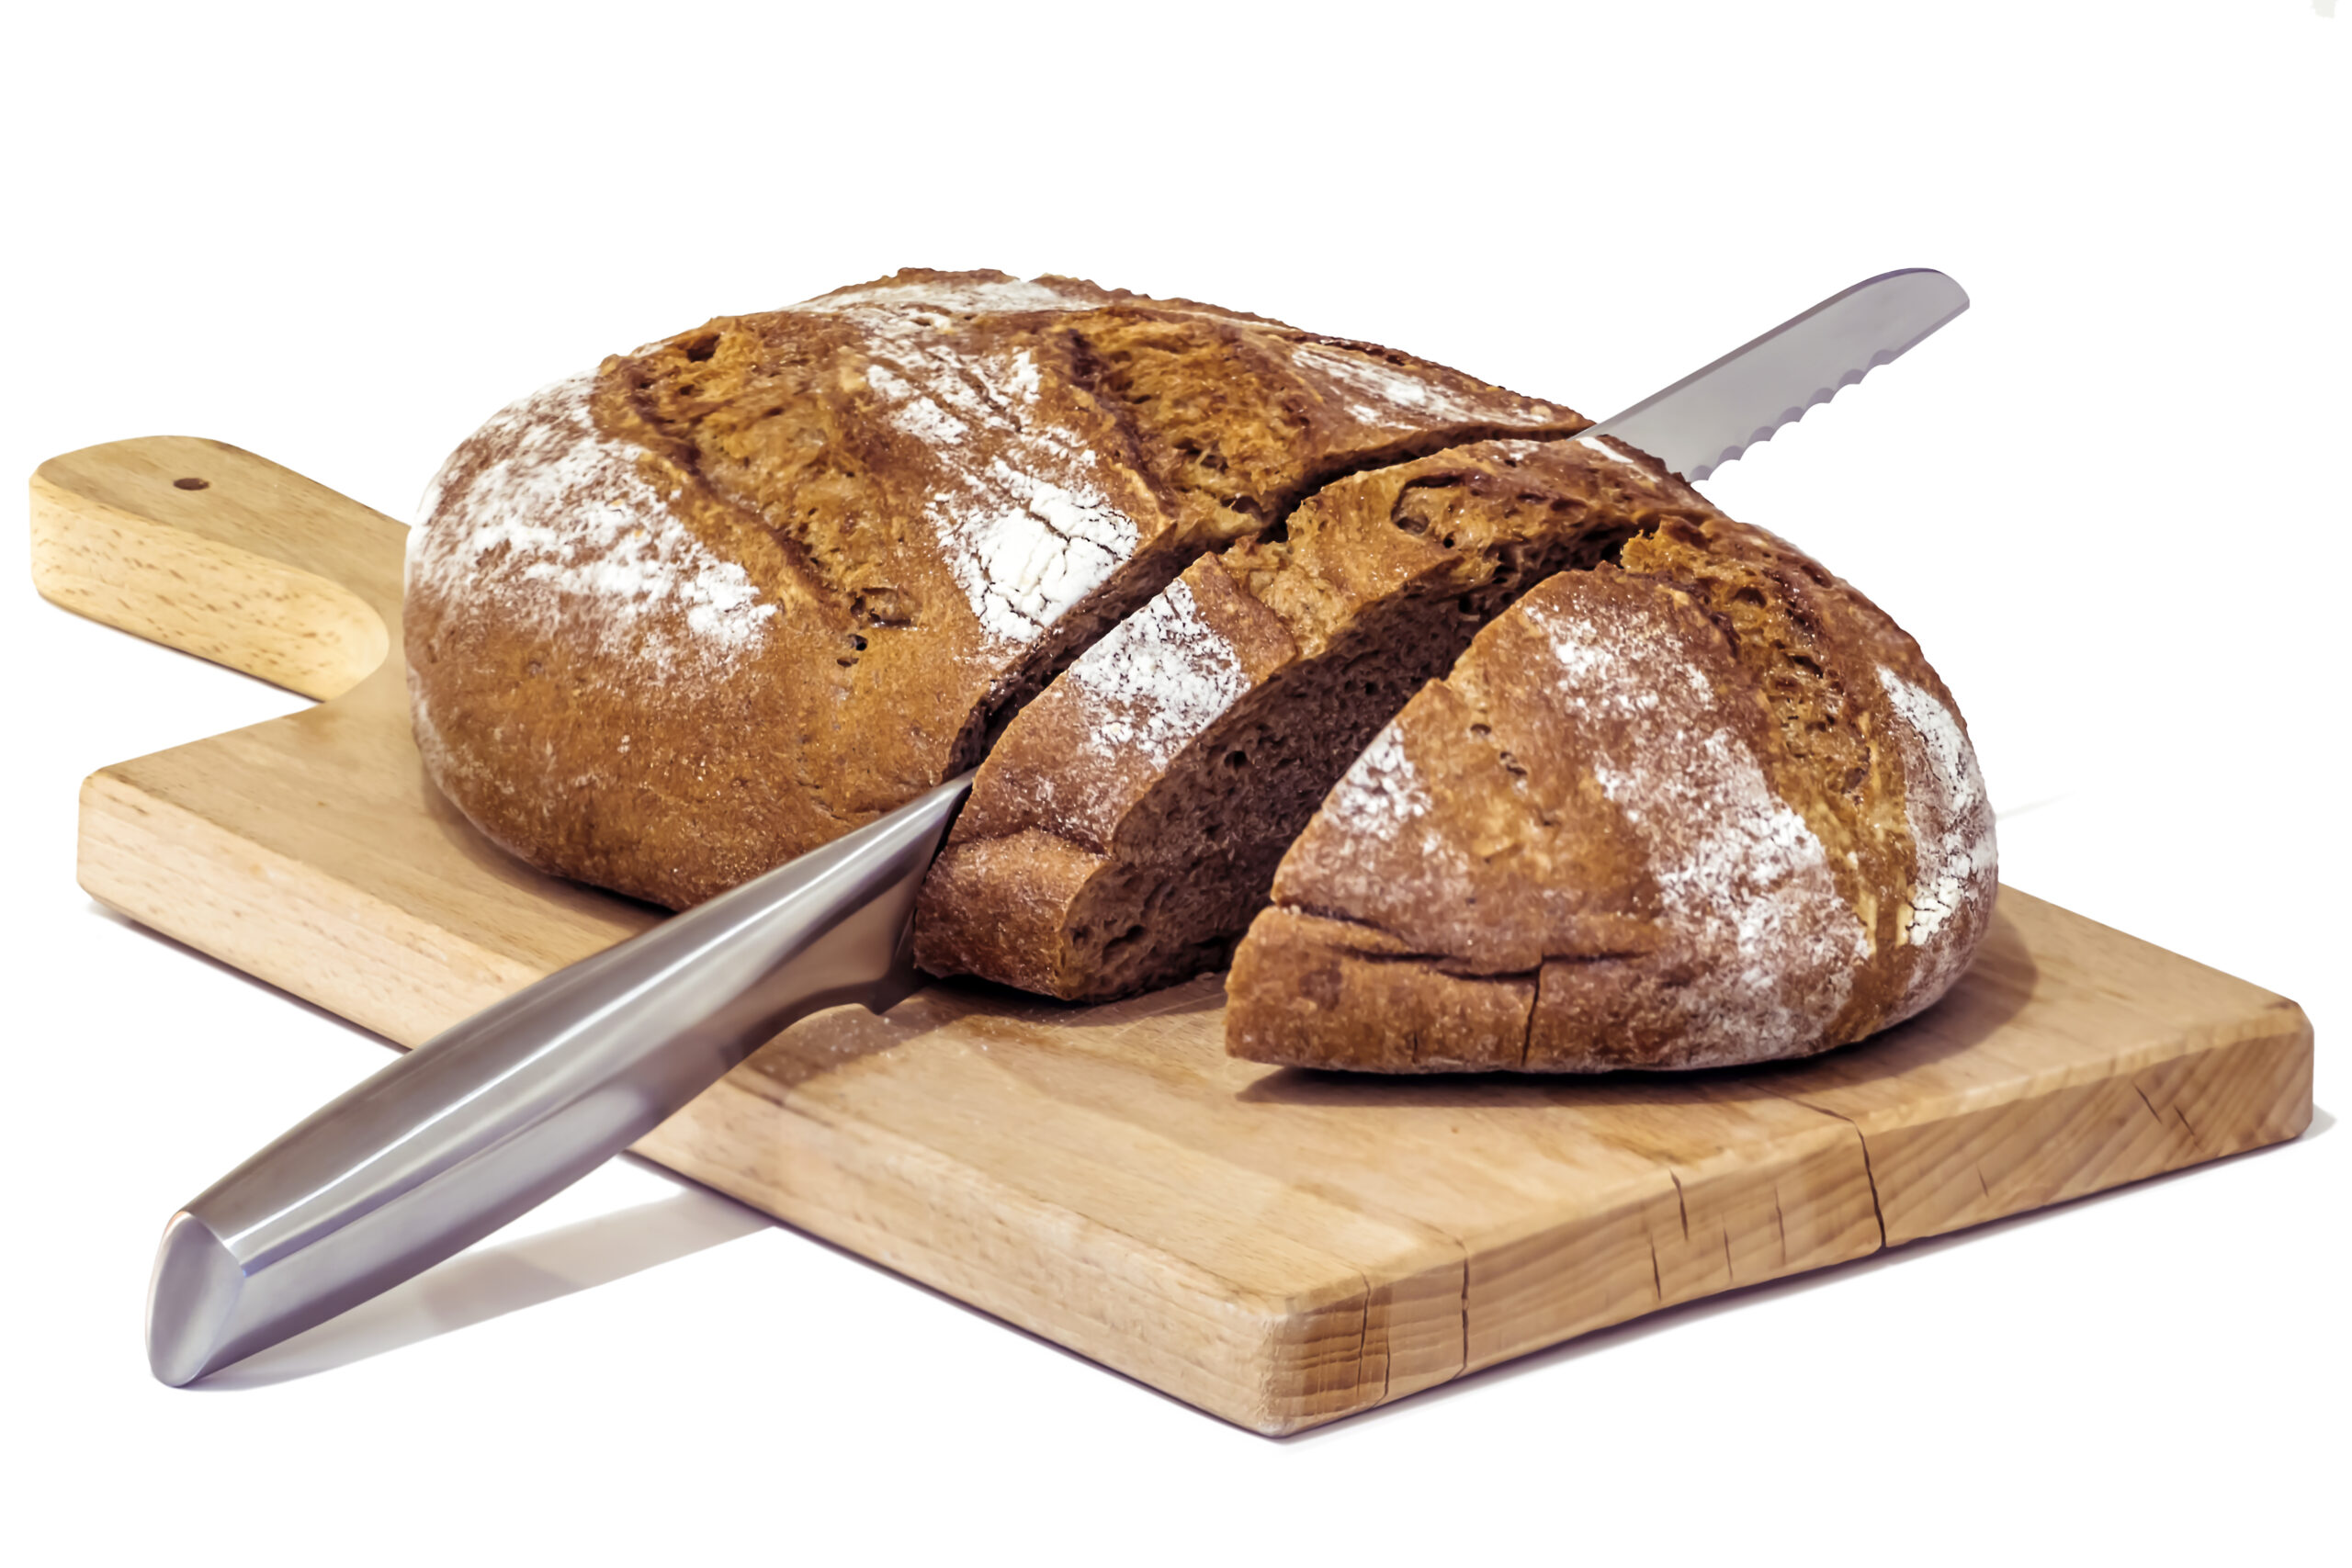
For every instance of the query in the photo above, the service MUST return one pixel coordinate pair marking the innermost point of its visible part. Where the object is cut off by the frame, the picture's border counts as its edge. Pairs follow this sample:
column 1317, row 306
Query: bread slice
column 1126, row 827
column 678, row 620
column 1712, row 807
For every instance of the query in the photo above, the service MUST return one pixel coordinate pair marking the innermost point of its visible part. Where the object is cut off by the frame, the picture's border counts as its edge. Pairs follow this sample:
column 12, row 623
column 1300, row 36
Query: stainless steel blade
column 1714, row 414
column 491, row 1118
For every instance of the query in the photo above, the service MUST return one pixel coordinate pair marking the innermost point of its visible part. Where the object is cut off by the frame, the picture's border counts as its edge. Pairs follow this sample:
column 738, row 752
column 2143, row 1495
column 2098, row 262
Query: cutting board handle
column 207, row 548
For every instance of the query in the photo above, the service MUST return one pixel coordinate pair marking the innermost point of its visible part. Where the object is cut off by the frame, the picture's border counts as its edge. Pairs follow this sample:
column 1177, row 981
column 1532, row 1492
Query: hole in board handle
column 191, row 483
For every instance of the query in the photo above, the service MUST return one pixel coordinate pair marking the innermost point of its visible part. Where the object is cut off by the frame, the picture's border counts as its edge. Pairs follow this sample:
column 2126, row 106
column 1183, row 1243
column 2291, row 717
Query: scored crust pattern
column 749, row 587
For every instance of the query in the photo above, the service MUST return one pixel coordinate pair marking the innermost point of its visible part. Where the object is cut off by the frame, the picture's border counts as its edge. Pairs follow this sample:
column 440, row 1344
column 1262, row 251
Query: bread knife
column 491, row 1117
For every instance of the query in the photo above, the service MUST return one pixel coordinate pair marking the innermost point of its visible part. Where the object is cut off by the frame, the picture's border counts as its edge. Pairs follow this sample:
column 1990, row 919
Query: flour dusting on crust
column 960, row 296
column 1159, row 679
column 1026, row 529
column 1382, row 791
column 560, row 509
column 1594, row 444
column 1380, row 393
column 1956, row 859
column 1740, row 873
column 1024, row 549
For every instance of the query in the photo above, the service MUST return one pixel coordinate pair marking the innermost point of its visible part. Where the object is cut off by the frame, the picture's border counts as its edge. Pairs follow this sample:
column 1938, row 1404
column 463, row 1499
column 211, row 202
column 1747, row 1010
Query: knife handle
column 492, row 1117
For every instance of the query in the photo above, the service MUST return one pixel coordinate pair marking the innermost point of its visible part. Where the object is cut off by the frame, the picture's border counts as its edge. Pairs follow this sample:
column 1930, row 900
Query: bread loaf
column 1690, row 801
column 1710, row 807
column 678, row 620
column 1126, row 827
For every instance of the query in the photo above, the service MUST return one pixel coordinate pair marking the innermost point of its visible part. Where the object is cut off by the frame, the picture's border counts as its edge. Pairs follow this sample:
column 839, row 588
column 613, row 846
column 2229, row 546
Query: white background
column 2110, row 501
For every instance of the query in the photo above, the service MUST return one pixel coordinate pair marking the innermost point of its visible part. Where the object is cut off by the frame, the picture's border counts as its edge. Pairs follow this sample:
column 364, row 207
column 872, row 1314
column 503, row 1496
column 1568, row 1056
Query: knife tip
column 190, row 1299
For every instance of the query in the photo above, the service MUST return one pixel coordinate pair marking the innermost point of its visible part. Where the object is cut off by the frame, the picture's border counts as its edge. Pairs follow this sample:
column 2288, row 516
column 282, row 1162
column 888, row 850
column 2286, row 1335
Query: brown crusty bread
column 1126, row 825
column 1712, row 807
column 726, row 597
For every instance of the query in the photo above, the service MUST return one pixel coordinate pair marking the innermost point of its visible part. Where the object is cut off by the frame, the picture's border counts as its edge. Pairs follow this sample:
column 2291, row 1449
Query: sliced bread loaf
column 1126, row 827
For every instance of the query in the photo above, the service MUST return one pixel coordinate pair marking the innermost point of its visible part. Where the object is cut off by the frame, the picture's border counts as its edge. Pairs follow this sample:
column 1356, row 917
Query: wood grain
column 1279, row 1247
column 209, row 549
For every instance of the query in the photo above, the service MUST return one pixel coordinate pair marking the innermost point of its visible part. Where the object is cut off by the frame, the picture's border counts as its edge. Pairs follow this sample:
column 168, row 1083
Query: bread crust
column 1715, row 811
column 732, row 595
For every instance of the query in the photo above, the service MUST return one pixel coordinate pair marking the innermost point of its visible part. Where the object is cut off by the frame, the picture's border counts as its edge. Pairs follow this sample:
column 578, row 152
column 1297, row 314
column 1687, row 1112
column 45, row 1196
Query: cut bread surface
column 1127, row 825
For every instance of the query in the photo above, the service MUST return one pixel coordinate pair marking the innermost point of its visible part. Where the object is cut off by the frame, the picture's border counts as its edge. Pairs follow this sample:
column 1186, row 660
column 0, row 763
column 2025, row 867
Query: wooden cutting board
column 1279, row 1247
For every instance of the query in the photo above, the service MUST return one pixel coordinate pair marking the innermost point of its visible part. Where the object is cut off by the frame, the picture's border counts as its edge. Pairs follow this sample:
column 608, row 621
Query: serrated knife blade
column 1714, row 414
